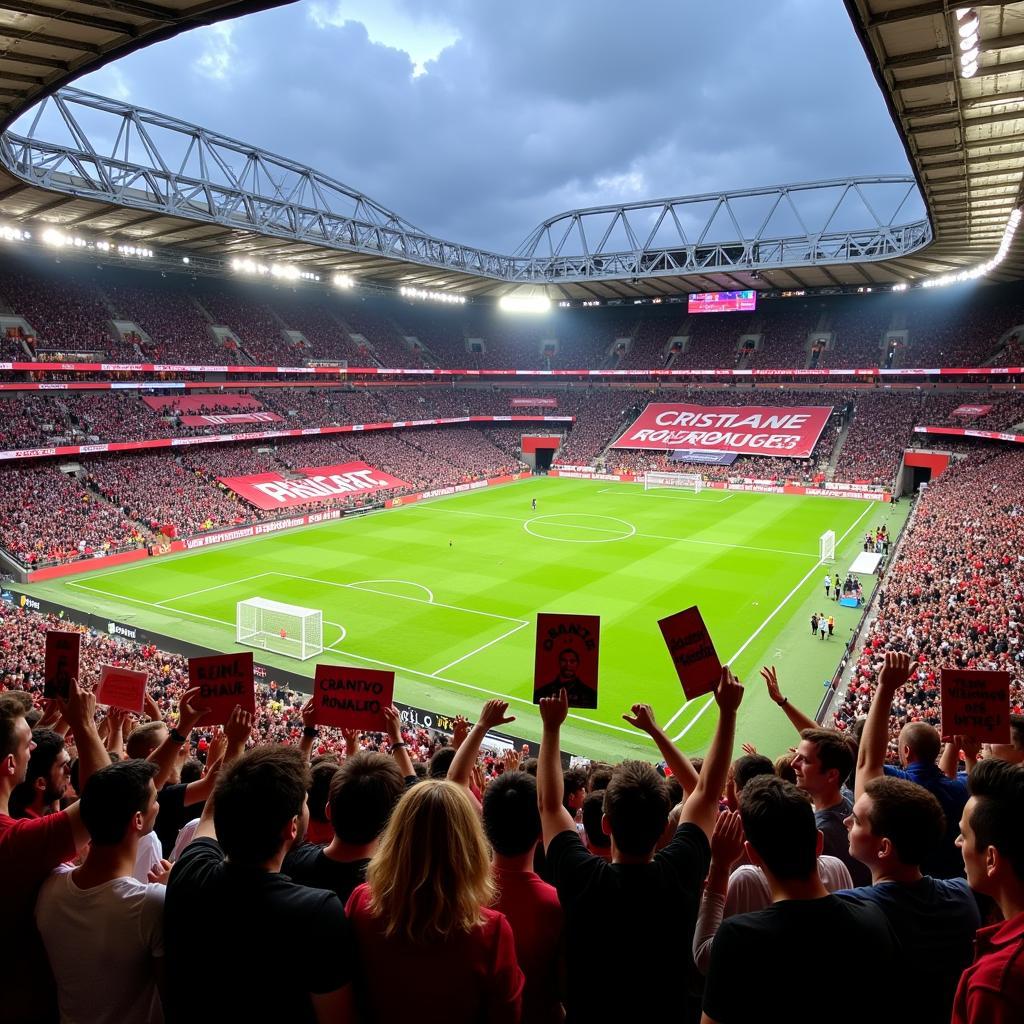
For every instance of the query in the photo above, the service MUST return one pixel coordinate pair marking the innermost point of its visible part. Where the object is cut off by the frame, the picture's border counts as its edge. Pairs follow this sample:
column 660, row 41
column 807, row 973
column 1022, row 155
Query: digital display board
column 722, row 302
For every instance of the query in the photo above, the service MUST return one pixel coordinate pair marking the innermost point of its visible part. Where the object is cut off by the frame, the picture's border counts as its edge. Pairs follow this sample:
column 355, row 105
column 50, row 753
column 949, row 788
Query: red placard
column 122, row 688
column 693, row 652
column 224, row 680
column 567, row 657
column 352, row 698
column 63, row 651
column 972, row 410
column 975, row 704
column 782, row 431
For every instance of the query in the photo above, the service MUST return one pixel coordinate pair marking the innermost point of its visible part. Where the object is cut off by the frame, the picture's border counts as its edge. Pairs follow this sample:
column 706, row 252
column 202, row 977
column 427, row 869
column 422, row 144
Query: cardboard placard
column 63, row 652
column 349, row 697
column 567, row 656
column 122, row 688
column 693, row 652
column 224, row 680
column 975, row 704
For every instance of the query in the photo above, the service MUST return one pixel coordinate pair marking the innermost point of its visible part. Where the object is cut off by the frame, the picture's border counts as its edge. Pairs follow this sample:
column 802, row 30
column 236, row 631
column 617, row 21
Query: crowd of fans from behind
column 403, row 862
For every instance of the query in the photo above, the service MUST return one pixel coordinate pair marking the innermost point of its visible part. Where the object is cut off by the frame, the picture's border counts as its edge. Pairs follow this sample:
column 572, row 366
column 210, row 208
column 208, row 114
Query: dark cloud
column 477, row 120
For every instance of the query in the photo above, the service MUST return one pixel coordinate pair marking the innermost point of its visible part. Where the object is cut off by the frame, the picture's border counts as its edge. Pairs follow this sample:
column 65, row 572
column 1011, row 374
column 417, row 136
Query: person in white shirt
column 102, row 929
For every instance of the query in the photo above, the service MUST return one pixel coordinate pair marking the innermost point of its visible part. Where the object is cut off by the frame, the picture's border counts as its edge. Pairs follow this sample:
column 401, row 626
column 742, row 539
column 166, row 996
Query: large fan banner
column 788, row 433
column 271, row 491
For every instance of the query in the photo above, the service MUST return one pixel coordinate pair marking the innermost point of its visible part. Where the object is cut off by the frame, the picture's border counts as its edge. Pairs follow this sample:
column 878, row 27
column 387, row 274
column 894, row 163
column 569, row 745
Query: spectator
column 640, row 892
column 47, row 778
column 822, row 763
column 512, row 825
column 895, row 827
column 992, row 840
column 783, row 839
column 230, row 874
column 597, row 841
column 30, row 848
column 424, row 916
column 363, row 793
column 97, row 921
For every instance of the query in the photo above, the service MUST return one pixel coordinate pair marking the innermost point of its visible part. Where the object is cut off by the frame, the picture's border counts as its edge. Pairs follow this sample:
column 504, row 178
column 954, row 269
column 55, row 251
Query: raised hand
column 351, row 737
column 479, row 782
column 393, row 722
column 642, row 719
column 460, row 730
column 190, row 714
column 159, row 873
column 771, row 680
column 494, row 712
column 216, row 751
column 729, row 691
column 238, row 727
column 895, row 672
column 727, row 839
column 151, row 709
column 308, row 714
column 80, row 707
column 554, row 710
column 511, row 761
column 749, row 748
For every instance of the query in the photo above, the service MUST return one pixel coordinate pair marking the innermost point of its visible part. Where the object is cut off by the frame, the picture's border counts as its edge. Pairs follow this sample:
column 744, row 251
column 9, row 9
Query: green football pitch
column 446, row 593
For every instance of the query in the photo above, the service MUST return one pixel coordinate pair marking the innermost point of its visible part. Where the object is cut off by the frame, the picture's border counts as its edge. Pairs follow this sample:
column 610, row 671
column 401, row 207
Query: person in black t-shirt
column 363, row 794
column 229, row 878
column 756, row 957
column 644, row 902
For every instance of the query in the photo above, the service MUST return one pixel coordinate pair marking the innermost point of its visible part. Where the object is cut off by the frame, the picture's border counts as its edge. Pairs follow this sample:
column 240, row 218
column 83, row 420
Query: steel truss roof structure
column 165, row 183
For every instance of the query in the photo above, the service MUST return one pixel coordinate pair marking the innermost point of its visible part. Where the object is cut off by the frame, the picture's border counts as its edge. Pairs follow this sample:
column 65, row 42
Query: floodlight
column 524, row 303
column 969, row 70
column 969, row 25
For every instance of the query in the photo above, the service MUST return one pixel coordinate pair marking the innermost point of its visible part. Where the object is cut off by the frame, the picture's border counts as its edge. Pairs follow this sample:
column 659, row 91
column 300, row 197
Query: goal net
column 280, row 628
column 688, row 481
column 827, row 546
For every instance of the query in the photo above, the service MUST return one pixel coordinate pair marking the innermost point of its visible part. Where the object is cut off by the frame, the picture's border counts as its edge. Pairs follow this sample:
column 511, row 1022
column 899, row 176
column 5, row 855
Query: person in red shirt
column 424, row 917
column 991, row 990
column 30, row 848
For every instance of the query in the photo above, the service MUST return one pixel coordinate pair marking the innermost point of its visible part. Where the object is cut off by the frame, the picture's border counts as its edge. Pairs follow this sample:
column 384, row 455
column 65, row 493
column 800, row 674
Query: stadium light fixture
column 281, row 271
column 982, row 268
column 420, row 293
column 343, row 281
column 9, row 234
column 529, row 303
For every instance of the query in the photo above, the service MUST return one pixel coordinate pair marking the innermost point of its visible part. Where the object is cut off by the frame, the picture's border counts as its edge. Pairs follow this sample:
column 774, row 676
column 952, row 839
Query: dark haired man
column 46, row 781
column 512, row 824
column 640, row 893
column 750, row 976
column 97, row 921
column 822, row 763
column 230, row 877
column 597, row 841
column 895, row 827
column 364, row 790
column 992, row 843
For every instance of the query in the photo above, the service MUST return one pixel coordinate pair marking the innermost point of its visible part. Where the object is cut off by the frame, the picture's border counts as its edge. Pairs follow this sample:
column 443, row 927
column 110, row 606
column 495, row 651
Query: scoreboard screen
column 722, row 302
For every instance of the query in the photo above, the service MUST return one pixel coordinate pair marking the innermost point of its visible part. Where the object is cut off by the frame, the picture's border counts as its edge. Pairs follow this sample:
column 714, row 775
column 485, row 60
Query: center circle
column 593, row 533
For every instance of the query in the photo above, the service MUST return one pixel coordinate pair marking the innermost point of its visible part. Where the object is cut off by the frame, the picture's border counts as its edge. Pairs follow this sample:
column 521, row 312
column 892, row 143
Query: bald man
column 920, row 745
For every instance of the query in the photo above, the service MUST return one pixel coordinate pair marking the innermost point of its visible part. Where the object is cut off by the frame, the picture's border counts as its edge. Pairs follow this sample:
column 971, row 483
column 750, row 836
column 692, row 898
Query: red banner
column 219, row 419
column 271, row 491
column 534, row 403
column 971, row 411
column 747, row 430
column 988, row 435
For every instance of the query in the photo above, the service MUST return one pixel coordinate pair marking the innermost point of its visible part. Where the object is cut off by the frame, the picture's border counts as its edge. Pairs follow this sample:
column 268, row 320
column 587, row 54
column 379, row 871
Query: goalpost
column 280, row 628
column 827, row 546
column 689, row 481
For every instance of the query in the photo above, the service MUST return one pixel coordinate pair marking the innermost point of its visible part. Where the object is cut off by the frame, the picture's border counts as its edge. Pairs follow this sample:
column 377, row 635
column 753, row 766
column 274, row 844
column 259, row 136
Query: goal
column 827, row 546
column 280, row 628
column 689, row 481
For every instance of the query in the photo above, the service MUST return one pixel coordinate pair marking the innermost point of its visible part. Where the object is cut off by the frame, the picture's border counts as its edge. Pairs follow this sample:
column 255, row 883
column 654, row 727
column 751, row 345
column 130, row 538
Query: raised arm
column 554, row 818
column 793, row 713
column 643, row 719
column 399, row 748
column 701, row 807
column 79, row 711
column 493, row 713
column 875, row 738
column 189, row 715
column 309, row 732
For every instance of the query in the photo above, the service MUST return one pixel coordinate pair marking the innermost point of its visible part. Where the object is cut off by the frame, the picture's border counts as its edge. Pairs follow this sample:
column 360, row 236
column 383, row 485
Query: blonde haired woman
column 429, row 945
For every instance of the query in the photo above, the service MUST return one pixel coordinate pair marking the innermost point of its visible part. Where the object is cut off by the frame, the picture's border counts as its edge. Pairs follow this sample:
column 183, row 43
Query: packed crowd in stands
column 953, row 595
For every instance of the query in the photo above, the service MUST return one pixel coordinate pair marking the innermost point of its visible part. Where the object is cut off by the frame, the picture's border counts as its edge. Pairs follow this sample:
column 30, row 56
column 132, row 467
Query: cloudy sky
column 476, row 120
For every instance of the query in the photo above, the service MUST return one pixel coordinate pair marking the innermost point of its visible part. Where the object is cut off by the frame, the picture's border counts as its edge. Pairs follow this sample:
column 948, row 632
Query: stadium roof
column 167, row 184
column 47, row 43
column 964, row 136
